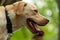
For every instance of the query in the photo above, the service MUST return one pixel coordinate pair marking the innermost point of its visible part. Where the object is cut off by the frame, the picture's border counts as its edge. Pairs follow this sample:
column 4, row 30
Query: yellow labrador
column 20, row 14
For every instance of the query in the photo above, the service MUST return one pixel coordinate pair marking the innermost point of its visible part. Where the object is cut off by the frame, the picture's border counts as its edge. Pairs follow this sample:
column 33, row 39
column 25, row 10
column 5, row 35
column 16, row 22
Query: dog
column 21, row 14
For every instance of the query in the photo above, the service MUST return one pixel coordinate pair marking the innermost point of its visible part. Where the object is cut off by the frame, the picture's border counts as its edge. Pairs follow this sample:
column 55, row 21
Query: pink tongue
column 37, row 30
column 34, row 29
column 32, row 26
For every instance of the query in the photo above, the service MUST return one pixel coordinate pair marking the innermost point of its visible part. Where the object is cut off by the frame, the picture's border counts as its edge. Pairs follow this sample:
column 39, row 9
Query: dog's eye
column 25, row 5
column 36, row 11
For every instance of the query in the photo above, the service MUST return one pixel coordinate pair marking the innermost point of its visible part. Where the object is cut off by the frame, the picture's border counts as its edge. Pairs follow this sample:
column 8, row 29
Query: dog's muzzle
column 32, row 26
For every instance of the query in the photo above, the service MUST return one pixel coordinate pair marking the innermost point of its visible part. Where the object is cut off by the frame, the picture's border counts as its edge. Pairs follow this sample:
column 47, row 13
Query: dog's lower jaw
column 32, row 26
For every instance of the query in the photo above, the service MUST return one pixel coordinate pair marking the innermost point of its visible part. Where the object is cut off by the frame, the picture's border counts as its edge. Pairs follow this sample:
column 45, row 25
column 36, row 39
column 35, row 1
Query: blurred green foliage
column 50, row 11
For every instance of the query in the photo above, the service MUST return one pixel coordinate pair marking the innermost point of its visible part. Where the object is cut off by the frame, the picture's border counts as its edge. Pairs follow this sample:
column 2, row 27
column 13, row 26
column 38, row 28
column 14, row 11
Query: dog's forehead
column 32, row 6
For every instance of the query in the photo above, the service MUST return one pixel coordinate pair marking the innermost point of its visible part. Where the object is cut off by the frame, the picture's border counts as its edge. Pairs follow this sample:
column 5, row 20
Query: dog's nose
column 47, row 20
column 44, row 22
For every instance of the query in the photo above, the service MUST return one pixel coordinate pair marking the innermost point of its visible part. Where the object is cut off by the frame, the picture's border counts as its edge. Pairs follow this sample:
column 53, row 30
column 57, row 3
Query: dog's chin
column 32, row 26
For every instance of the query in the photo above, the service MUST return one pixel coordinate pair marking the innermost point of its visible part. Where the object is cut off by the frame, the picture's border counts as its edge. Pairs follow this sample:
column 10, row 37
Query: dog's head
column 28, row 14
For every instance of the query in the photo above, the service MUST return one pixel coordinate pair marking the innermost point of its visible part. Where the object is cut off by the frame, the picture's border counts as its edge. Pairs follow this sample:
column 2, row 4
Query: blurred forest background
column 47, row 8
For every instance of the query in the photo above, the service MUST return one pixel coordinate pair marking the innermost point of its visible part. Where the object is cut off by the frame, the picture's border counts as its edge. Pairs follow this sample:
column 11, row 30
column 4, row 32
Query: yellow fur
column 19, row 12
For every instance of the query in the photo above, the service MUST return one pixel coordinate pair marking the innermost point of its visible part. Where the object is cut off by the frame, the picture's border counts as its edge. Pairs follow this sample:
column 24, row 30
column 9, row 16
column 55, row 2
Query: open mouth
column 32, row 26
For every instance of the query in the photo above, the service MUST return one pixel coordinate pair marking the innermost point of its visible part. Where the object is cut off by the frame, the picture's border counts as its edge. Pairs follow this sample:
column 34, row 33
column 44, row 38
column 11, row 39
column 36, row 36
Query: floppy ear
column 19, row 7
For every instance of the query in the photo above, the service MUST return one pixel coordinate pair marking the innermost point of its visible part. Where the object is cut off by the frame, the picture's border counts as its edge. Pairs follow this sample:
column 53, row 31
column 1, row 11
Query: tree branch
column 7, row 2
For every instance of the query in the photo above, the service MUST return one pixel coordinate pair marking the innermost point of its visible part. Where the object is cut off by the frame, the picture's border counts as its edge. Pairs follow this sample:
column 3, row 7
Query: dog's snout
column 47, row 20
column 44, row 22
